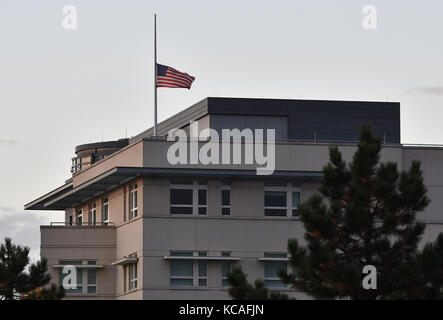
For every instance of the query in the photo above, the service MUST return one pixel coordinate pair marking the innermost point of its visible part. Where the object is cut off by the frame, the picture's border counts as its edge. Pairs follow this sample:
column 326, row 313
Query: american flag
column 170, row 78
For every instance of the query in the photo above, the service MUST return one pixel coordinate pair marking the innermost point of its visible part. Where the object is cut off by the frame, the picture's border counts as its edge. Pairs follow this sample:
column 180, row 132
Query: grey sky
column 61, row 88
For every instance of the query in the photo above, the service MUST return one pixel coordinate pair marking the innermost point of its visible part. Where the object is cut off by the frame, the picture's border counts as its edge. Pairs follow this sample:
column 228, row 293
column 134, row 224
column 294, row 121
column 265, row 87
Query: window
column 202, row 271
column 182, row 271
column 187, row 272
column 202, row 206
column 226, row 200
column 181, row 201
column 92, row 278
column 226, row 268
column 187, row 197
column 272, row 280
column 295, row 203
column 105, row 211
column 80, row 217
column 132, row 276
column 133, row 201
column 92, row 214
column 282, row 200
column 70, row 220
column 275, row 203
column 86, row 277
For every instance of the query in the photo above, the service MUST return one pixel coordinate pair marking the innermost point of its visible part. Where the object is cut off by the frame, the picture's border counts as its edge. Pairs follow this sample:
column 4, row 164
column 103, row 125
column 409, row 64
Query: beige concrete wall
column 129, row 237
column 86, row 243
column 289, row 156
column 131, row 156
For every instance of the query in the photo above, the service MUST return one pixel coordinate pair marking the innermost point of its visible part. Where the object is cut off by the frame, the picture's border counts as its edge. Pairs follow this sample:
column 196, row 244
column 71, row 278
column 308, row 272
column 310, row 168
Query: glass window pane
column 92, row 289
column 272, row 269
column 275, row 199
column 181, row 210
column 226, row 267
column 295, row 213
column 202, row 197
column 69, row 262
column 226, row 197
column 181, row 253
column 181, row 269
column 79, row 276
column 130, row 200
column 202, row 211
column 181, row 196
column 202, row 269
column 275, row 212
column 202, row 282
column 79, row 281
column 181, row 282
column 105, row 212
column 226, row 211
column 225, row 283
column 276, row 255
column 274, row 284
column 92, row 279
column 295, row 199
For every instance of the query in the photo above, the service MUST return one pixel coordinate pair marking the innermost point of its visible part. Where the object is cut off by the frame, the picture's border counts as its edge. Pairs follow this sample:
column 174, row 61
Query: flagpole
column 155, row 75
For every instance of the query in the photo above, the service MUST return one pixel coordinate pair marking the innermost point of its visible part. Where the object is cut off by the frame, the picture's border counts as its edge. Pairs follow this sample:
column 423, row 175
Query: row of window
column 183, row 273
column 191, row 198
column 194, row 273
column 92, row 209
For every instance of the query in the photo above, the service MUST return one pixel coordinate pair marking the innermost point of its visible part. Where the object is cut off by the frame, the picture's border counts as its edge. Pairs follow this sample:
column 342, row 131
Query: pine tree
column 16, row 283
column 366, row 215
column 241, row 289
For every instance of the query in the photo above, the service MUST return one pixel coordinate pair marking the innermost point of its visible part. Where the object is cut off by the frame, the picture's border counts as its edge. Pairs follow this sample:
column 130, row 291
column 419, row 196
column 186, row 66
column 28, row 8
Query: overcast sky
column 61, row 88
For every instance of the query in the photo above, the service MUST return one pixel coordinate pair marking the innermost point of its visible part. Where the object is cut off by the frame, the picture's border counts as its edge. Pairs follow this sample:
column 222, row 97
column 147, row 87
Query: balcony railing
column 82, row 224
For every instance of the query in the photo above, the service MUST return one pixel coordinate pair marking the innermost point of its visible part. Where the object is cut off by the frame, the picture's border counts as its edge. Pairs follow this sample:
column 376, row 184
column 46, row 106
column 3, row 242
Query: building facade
column 138, row 227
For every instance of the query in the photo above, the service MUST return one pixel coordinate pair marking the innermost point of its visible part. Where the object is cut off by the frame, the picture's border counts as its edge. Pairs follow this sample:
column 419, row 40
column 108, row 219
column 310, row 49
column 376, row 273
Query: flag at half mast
column 168, row 77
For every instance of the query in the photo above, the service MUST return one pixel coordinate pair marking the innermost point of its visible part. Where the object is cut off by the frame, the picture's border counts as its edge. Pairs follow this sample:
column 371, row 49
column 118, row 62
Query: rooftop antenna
column 126, row 133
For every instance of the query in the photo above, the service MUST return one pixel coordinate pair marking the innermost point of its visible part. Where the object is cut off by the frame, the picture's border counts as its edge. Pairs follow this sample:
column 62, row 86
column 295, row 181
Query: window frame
column 228, row 264
column 289, row 189
column 199, row 264
column 132, row 276
column 133, row 201
column 92, row 214
column 85, row 277
column 79, row 216
column 226, row 187
column 267, row 263
column 191, row 277
column 196, row 186
column 105, row 209
column 196, row 265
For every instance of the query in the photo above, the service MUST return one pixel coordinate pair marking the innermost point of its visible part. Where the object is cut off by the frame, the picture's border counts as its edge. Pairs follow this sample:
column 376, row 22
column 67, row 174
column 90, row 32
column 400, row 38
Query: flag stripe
column 175, row 84
column 174, row 77
column 171, row 78
column 168, row 80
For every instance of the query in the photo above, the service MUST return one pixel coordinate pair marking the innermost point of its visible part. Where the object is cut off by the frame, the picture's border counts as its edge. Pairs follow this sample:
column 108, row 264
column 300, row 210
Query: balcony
column 84, row 235
column 81, row 224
